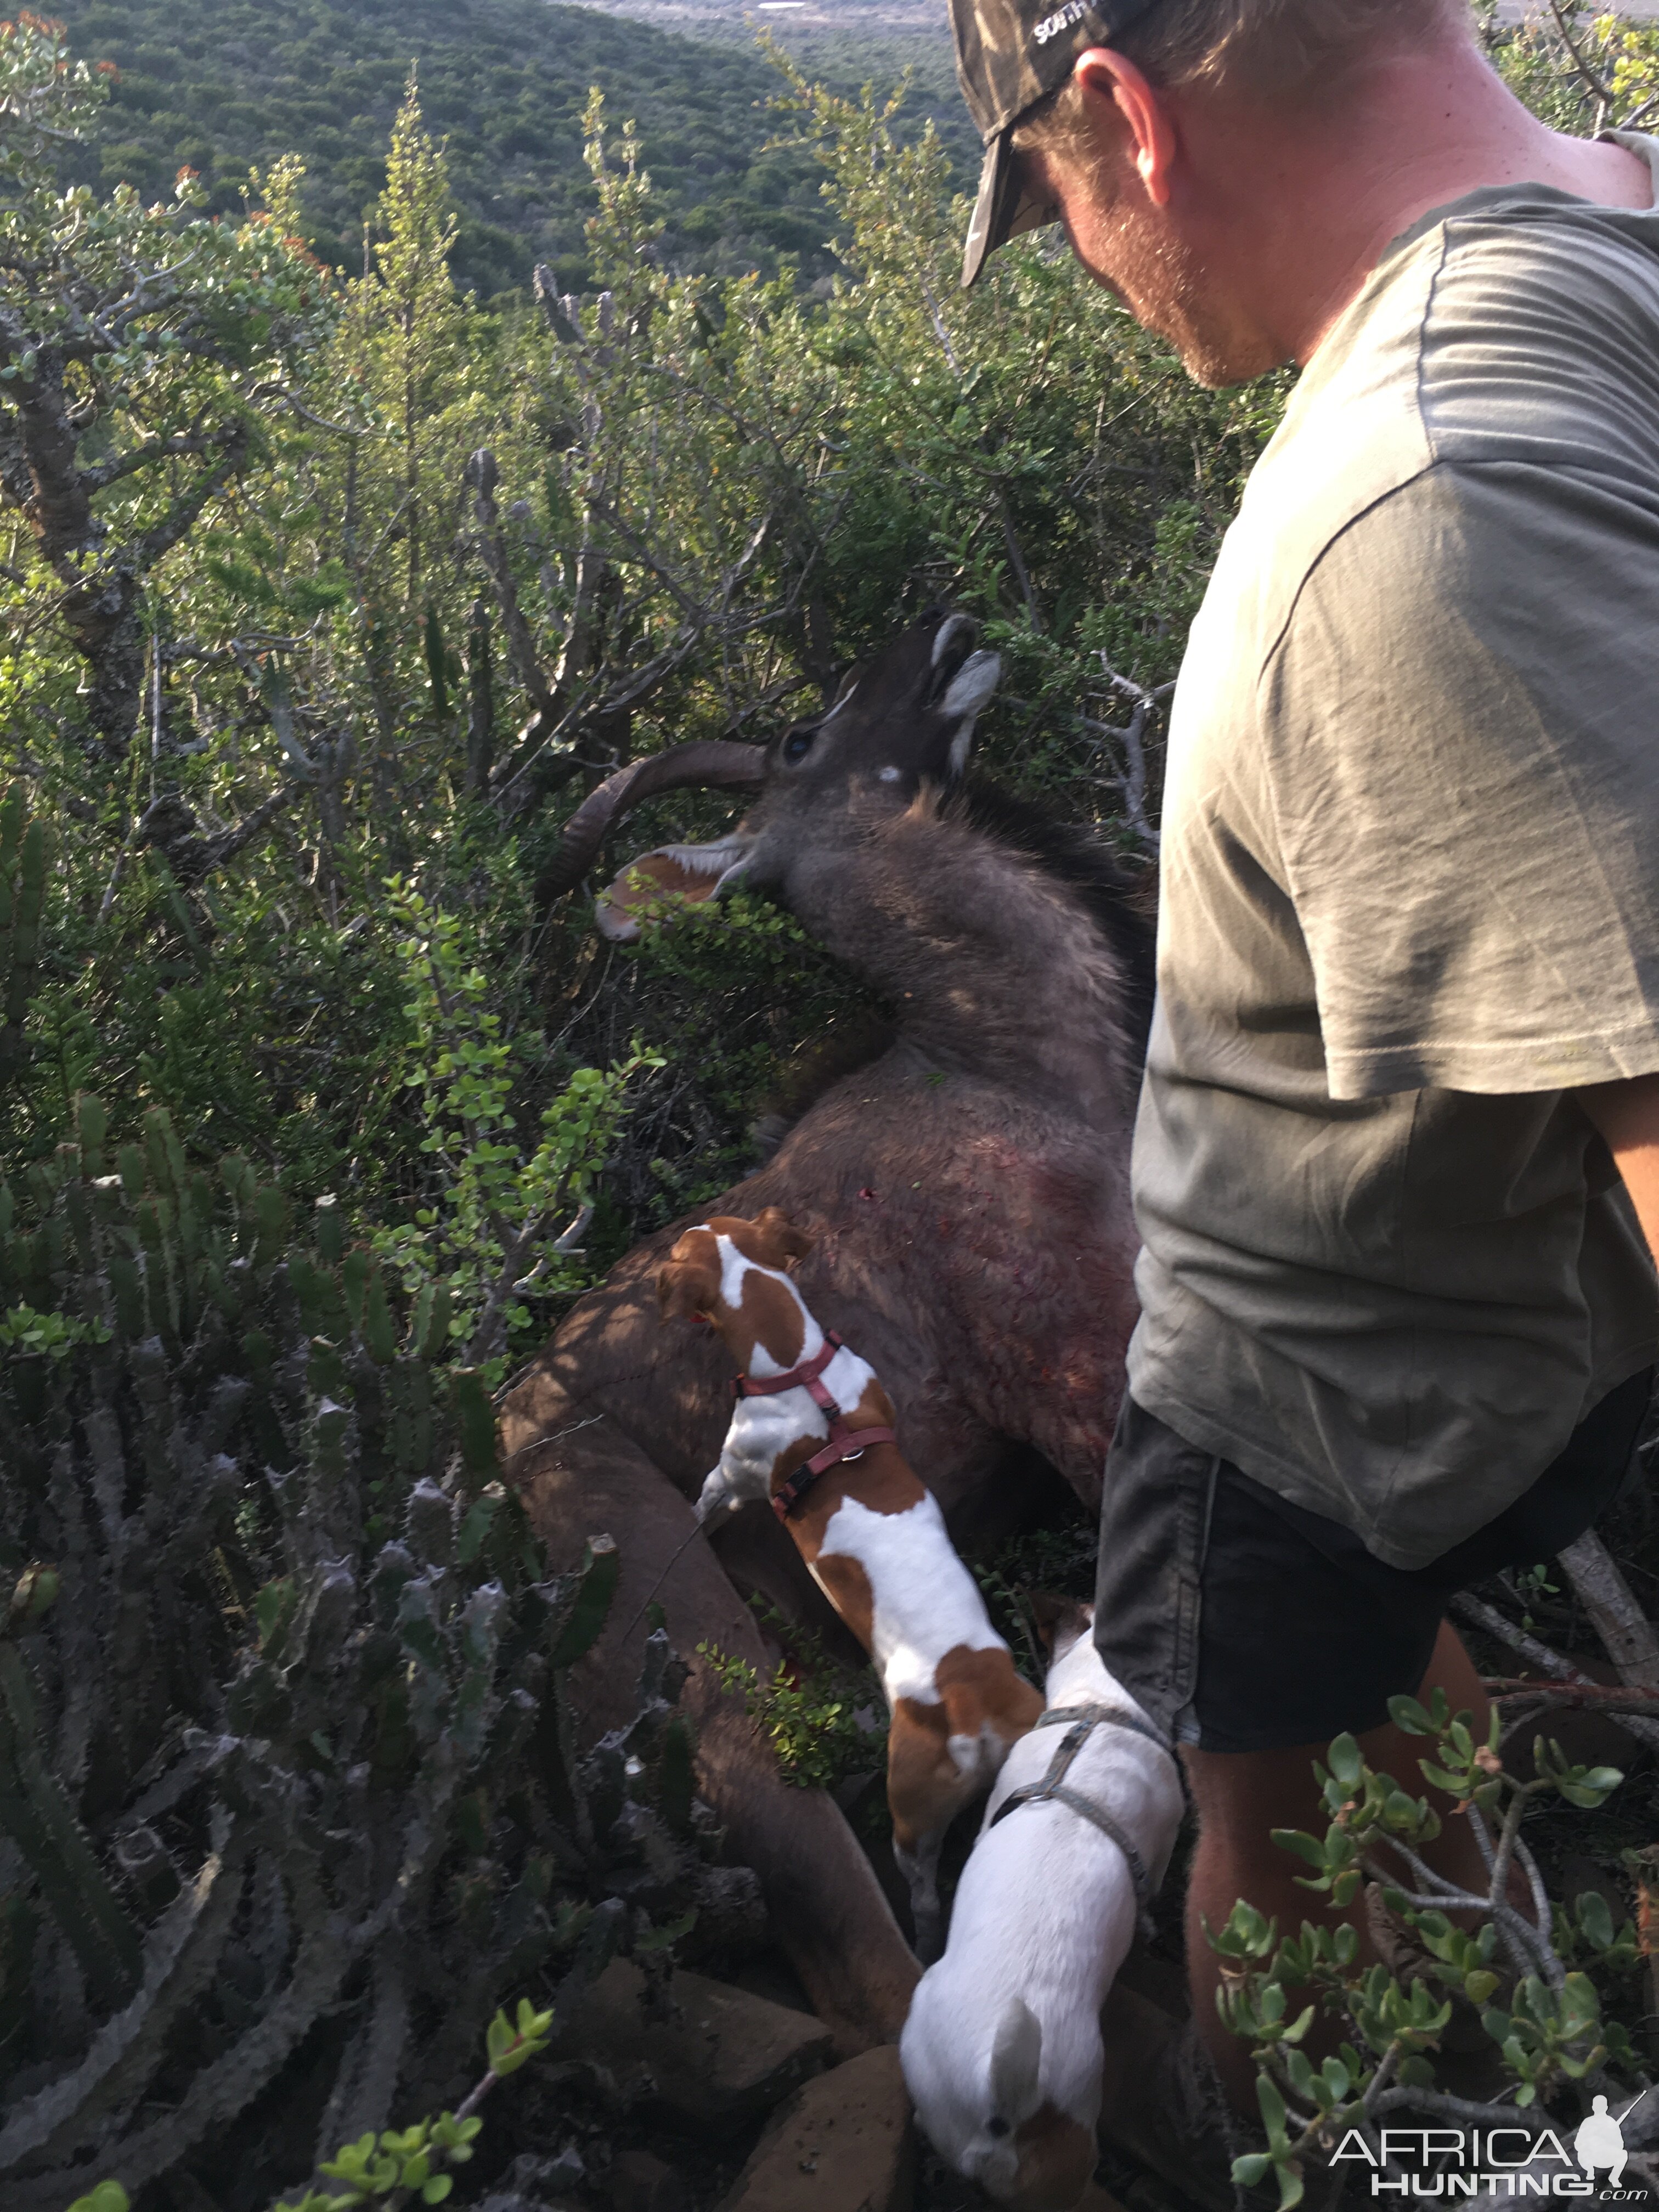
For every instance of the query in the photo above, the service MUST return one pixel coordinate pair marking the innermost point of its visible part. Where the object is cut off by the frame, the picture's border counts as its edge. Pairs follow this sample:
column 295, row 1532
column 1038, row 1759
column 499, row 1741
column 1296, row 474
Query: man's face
column 1140, row 251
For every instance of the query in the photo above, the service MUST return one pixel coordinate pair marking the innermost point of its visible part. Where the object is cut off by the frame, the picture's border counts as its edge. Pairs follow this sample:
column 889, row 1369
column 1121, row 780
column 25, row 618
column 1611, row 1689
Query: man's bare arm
column 1627, row 1116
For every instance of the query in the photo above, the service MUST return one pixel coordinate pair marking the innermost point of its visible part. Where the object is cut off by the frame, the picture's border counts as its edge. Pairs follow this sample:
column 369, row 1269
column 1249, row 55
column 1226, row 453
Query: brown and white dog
column 812, row 1431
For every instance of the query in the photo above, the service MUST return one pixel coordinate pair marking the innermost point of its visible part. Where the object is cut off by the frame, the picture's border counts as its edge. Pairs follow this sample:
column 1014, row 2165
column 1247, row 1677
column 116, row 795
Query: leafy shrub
column 284, row 1717
column 407, row 2165
column 826, row 1722
column 1527, row 1972
column 289, row 1792
column 493, row 1203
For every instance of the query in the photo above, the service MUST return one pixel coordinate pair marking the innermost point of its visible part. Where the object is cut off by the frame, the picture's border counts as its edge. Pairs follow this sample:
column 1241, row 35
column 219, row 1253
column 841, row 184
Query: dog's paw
column 715, row 1499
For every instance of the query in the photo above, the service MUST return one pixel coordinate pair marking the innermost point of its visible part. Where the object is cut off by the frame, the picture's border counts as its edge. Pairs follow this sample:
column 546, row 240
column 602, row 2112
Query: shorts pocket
column 1154, row 1527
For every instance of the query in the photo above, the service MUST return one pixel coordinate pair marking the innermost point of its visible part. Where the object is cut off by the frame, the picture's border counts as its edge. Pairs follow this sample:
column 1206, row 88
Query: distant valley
column 221, row 84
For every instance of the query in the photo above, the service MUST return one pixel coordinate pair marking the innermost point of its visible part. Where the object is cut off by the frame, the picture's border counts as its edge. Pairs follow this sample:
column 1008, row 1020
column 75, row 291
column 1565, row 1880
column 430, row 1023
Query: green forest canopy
column 219, row 84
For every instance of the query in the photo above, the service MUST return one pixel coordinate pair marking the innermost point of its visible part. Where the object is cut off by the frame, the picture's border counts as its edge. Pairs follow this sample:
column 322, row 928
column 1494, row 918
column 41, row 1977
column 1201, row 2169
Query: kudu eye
column 998, row 2127
column 796, row 746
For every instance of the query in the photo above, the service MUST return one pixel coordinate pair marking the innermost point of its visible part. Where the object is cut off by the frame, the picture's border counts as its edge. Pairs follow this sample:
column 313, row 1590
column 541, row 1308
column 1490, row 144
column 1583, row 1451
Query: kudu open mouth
column 905, row 718
column 690, row 872
column 704, row 765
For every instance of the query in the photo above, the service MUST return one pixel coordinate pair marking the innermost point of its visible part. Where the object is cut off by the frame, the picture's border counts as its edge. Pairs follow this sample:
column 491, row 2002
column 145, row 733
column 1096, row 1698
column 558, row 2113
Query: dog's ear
column 1016, row 2061
column 1049, row 1610
column 1061, row 1621
column 685, row 1288
column 780, row 1236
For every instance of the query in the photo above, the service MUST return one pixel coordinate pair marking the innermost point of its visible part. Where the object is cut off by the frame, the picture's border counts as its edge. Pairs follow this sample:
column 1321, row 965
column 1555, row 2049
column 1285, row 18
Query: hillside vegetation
column 313, row 1119
column 219, row 84
column 324, row 598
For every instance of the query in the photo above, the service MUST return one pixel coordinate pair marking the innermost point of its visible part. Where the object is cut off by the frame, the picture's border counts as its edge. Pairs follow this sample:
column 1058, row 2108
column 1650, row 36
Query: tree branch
column 1482, row 1615
column 1602, row 90
column 156, row 449
column 482, row 477
column 1620, row 1622
column 164, row 535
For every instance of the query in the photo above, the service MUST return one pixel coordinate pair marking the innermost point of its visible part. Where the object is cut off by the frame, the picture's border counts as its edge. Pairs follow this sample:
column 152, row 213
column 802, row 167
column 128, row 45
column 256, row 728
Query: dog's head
column 771, row 1239
column 1060, row 1620
column 692, row 1282
column 1009, row 2127
column 688, row 1280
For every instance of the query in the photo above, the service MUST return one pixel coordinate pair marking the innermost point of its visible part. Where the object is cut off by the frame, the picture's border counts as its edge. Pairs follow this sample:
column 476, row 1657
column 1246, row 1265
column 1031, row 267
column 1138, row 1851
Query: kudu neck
column 994, row 966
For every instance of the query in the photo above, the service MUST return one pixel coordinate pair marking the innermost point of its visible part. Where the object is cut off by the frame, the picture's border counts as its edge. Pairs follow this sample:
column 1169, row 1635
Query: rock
column 1152, row 2106
column 844, row 2143
column 723, row 2064
column 640, row 2183
column 552, row 2177
column 537, row 2185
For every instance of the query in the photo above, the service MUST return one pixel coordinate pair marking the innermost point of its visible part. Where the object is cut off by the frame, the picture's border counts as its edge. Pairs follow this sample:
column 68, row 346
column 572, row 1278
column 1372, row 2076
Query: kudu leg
column 920, row 1868
column 826, row 1906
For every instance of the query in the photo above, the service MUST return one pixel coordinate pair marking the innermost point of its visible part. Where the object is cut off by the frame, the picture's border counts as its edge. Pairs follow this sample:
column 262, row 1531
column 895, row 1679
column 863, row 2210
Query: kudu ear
column 845, row 688
column 780, row 1236
column 1016, row 2061
column 686, row 1288
column 965, row 701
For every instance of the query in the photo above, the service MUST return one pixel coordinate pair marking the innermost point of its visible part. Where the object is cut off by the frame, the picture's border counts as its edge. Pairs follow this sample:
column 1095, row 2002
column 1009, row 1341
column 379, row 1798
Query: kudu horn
column 704, row 765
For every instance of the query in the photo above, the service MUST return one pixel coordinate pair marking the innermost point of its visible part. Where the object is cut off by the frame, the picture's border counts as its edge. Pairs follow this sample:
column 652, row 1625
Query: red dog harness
column 844, row 1442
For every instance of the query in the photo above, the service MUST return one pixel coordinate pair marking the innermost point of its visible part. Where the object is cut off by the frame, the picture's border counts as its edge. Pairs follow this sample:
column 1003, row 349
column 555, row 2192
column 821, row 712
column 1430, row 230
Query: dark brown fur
column 966, row 1196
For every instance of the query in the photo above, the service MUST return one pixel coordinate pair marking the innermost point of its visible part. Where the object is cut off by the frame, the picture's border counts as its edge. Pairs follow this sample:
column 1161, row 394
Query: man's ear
column 779, row 1235
column 685, row 1288
column 1106, row 74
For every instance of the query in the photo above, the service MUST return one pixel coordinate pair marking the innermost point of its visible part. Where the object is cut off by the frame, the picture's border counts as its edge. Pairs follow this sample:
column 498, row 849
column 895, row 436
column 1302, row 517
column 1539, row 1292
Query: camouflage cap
column 1010, row 54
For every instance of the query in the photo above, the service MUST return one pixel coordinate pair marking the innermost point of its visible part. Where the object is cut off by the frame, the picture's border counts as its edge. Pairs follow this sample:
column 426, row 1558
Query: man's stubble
column 1167, row 288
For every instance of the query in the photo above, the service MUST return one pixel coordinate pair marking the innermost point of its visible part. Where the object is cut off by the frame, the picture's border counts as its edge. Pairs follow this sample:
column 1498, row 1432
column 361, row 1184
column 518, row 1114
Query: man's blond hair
column 1266, row 46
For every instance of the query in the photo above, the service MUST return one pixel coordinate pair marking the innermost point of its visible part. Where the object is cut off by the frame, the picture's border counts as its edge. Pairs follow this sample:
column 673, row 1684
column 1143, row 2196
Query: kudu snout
column 897, row 722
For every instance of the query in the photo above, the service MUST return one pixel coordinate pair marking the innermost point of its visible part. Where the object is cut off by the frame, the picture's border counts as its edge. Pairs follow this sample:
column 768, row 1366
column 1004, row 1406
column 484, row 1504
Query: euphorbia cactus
column 282, row 1728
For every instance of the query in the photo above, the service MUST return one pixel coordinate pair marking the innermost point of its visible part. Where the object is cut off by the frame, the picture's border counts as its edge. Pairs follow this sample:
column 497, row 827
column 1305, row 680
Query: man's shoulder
column 1512, row 340
column 1353, row 434
column 1539, row 341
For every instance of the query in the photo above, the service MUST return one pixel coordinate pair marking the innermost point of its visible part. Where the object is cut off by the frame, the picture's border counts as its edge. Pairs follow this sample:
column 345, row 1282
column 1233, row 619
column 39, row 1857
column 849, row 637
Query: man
column 1398, row 1320
column 1600, row 2144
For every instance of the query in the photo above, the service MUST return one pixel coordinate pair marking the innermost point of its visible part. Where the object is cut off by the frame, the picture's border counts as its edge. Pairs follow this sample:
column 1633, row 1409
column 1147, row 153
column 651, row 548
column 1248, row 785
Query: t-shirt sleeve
column 1461, row 719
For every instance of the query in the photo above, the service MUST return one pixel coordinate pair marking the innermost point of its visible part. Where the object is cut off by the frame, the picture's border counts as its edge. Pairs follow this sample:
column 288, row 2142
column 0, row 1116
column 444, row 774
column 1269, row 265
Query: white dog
column 1002, row 2052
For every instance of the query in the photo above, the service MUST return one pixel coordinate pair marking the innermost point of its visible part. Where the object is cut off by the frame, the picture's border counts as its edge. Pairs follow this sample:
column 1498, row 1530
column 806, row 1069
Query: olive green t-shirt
column 1410, row 891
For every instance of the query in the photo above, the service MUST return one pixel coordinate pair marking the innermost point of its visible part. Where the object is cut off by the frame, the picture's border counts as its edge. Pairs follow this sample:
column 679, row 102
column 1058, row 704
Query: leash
column 1080, row 1722
column 844, row 1443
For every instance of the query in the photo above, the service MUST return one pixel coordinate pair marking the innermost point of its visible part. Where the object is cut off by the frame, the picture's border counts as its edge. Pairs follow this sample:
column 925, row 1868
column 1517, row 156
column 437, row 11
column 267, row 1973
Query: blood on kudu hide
column 966, row 1192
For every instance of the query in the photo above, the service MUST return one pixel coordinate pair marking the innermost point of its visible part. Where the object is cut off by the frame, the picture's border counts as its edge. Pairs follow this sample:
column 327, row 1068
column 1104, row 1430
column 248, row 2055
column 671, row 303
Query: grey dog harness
column 1080, row 1722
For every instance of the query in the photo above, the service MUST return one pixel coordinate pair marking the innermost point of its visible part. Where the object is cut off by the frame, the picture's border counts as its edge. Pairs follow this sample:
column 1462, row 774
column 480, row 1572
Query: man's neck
column 1324, row 201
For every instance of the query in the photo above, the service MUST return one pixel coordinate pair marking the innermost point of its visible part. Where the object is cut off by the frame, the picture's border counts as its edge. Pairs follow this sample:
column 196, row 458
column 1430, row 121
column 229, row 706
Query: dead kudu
column 967, row 1194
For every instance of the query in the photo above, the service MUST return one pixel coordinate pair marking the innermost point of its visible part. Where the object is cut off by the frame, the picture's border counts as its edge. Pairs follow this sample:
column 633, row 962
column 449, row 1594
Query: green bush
column 1532, row 1975
column 282, row 1714
column 284, row 1736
